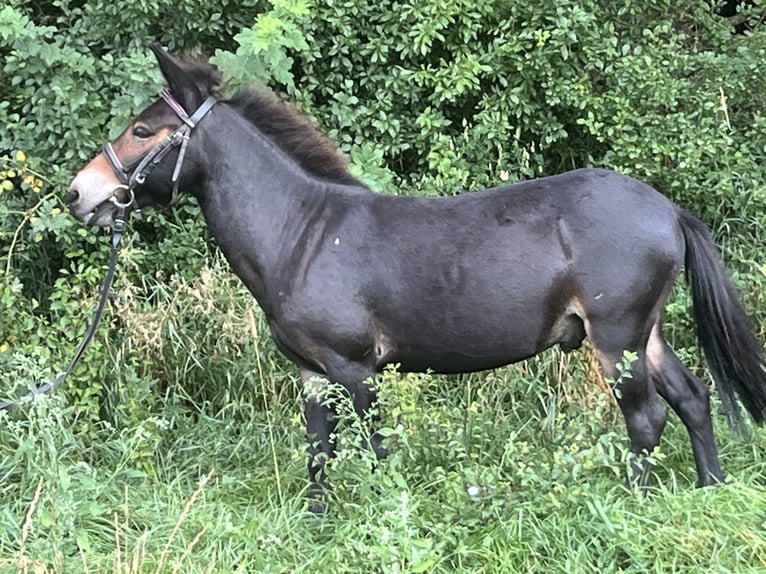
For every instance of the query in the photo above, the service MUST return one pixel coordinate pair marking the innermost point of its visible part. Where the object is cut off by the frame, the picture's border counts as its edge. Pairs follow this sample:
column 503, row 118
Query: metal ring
column 131, row 197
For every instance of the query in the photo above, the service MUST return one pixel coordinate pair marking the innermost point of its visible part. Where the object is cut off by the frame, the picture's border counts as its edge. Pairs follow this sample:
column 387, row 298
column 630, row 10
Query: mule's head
column 141, row 166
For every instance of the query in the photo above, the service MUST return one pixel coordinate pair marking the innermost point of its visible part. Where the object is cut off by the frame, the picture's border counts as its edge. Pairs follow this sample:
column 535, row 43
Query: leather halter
column 135, row 174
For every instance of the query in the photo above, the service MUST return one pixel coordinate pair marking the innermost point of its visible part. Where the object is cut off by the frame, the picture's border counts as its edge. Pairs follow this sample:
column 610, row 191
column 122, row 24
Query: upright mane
column 294, row 133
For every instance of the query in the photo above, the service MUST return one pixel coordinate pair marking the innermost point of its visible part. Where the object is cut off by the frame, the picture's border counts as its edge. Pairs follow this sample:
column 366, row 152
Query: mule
column 351, row 280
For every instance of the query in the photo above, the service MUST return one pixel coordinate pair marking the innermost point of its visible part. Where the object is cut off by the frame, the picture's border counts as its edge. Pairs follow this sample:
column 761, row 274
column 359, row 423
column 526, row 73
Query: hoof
column 317, row 499
column 317, row 507
column 711, row 480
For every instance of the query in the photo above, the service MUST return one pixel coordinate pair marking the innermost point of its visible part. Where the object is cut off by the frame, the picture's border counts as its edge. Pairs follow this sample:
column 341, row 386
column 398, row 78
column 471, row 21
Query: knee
column 645, row 420
column 657, row 415
column 696, row 407
column 700, row 390
column 651, row 423
column 376, row 442
column 364, row 398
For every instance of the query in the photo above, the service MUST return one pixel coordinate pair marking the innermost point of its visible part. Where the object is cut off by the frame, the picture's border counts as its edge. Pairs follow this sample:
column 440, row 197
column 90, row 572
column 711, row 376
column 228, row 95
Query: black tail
column 723, row 328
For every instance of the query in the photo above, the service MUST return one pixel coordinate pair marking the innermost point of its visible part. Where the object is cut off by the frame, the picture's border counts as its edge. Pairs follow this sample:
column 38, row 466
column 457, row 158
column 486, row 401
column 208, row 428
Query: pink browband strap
column 176, row 107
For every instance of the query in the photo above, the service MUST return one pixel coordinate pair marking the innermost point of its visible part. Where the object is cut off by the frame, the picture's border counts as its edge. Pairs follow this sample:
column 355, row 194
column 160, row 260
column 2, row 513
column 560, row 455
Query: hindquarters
column 627, row 251
column 626, row 276
column 627, row 337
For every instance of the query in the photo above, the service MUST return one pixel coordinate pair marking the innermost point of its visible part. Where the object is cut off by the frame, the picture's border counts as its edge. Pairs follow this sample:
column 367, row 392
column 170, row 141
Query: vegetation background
column 177, row 445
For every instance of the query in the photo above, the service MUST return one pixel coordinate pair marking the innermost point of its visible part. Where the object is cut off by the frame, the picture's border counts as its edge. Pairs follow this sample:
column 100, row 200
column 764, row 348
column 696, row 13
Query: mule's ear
column 181, row 80
column 171, row 69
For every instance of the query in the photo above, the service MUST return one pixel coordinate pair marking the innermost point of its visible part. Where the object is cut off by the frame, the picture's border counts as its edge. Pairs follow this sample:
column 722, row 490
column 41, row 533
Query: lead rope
column 119, row 225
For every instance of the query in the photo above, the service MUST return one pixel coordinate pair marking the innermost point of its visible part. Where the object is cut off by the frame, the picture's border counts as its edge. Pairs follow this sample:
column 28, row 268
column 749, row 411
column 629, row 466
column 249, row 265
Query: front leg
column 321, row 420
column 365, row 398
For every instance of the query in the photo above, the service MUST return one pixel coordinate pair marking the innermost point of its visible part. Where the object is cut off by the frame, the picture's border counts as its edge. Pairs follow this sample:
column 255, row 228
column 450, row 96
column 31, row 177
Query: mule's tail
column 734, row 355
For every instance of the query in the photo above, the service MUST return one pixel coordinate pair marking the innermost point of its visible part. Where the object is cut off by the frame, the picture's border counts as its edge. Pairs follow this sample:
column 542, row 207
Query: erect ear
column 189, row 81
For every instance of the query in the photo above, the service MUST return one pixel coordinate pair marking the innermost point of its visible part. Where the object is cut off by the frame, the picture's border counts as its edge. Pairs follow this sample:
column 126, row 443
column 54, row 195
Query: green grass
column 201, row 468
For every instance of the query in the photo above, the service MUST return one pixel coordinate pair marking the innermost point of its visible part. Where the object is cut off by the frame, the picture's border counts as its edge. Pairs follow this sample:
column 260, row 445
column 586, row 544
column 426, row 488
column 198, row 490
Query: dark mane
column 294, row 133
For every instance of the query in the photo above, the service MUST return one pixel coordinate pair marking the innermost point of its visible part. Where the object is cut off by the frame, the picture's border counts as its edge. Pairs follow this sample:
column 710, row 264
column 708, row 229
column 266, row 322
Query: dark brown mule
column 351, row 280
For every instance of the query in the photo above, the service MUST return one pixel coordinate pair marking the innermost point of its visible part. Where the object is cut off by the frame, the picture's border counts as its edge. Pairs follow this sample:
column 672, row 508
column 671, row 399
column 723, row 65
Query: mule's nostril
column 72, row 196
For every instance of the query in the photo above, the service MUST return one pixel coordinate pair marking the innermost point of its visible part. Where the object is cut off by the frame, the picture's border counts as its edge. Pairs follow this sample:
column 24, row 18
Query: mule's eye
column 142, row 132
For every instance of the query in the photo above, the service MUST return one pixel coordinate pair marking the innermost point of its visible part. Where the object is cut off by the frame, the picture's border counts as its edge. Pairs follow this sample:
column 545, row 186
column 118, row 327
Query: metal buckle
column 120, row 204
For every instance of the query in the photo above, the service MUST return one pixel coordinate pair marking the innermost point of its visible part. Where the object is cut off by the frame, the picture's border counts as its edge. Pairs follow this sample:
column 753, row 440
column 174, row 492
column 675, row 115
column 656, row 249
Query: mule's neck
column 262, row 208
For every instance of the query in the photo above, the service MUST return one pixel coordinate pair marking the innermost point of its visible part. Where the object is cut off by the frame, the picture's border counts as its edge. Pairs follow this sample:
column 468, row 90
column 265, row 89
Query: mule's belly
column 458, row 361
column 453, row 363
column 459, row 345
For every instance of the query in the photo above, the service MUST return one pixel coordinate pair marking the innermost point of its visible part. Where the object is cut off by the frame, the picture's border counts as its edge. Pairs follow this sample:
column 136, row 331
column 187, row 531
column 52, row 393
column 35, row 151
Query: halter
column 135, row 174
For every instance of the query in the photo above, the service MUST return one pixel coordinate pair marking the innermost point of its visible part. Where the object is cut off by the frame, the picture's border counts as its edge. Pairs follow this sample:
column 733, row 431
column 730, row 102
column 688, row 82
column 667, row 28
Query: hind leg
column 365, row 398
column 644, row 415
column 690, row 399
column 636, row 395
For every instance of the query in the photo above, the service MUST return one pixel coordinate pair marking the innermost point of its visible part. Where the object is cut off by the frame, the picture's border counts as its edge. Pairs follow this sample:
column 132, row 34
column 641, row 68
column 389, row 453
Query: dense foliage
column 427, row 98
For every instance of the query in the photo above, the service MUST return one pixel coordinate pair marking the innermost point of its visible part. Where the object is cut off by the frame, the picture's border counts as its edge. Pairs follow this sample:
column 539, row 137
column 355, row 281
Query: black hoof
column 317, row 500
column 711, row 480
column 318, row 507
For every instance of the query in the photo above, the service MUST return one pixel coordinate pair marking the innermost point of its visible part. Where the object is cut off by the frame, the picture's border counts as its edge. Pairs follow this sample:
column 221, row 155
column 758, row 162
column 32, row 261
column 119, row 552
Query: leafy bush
column 427, row 98
column 483, row 93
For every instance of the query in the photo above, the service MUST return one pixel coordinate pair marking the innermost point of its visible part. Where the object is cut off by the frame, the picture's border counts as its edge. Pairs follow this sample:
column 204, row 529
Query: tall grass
column 199, row 466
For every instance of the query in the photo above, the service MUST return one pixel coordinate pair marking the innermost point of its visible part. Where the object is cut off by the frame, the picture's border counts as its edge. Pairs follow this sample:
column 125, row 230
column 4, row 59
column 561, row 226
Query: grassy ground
column 515, row 470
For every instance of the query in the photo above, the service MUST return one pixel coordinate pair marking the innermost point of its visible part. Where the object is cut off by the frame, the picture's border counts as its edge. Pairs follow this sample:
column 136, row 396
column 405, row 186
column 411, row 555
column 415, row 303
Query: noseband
column 135, row 174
